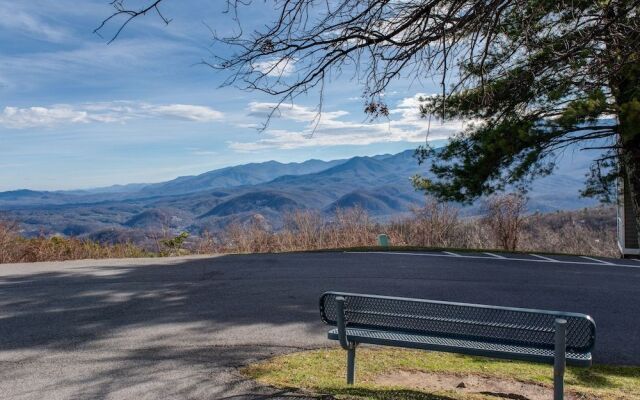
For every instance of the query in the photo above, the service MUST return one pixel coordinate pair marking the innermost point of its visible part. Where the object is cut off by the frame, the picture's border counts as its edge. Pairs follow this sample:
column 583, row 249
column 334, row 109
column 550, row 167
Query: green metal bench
column 550, row 337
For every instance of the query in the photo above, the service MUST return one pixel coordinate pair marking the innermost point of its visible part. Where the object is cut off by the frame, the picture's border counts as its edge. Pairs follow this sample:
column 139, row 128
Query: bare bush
column 253, row 236
column 589, row 232
column 206, row 243
column 351, row 227
column 435, row 224
column 9, row 241
column 303, row 229
column 15, row 248
column 574, row 232
column 504, row 215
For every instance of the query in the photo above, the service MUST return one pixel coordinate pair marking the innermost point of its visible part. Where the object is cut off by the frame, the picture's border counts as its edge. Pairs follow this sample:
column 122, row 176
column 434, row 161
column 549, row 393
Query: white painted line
column 543, row 257
column 449, row 255
column 495, row 255
column 596, row 260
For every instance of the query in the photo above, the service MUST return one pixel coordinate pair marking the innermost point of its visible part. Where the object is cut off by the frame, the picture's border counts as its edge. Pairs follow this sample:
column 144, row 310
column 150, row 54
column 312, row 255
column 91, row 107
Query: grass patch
column 323, row 372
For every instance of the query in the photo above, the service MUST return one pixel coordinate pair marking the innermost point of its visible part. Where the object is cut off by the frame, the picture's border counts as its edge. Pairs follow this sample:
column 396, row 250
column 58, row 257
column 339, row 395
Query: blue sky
column 76, row 112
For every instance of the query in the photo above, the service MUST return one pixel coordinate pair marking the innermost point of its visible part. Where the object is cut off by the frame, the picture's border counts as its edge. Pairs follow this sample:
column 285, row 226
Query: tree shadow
column 181, row 326
column 177, row 330
column 61, row 310
column 600, row 376
column 389, row 394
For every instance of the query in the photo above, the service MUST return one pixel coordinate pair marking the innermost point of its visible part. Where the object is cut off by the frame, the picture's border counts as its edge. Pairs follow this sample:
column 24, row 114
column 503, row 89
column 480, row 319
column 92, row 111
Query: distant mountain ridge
column 205, row 202
column 241, row 175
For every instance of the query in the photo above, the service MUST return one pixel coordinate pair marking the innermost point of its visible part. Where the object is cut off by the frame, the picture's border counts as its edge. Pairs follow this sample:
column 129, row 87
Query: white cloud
column 13, row 117
column 187, row 111
column 117, row 111
column 281, row 67
column 290, row 111
column 405, row 124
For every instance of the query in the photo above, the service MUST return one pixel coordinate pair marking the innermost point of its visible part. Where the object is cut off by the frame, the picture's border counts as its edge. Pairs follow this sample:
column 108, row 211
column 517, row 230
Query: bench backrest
column 517, row 326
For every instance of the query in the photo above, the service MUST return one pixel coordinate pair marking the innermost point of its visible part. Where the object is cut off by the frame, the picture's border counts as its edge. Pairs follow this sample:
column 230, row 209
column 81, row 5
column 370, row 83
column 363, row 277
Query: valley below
column 209, row 202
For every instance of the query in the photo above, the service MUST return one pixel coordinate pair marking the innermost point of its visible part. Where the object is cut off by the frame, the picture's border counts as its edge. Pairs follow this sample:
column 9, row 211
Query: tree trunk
column 631, row 164
column 627, row 93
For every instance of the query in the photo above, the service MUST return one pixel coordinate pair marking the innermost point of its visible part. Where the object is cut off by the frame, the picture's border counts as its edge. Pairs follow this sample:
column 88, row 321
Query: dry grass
column 303, row 230
column 588, row 232
column 15, row 248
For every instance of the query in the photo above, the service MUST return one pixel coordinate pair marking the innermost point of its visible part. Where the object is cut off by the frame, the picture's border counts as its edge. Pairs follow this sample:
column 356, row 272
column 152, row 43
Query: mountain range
column 206, row 202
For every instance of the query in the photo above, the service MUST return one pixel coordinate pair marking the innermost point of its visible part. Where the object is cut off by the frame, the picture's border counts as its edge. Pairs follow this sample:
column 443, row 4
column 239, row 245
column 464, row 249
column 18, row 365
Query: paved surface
column 180, row 328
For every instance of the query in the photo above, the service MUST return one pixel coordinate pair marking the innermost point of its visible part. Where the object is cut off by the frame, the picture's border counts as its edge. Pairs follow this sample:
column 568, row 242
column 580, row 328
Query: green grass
column 323, row 372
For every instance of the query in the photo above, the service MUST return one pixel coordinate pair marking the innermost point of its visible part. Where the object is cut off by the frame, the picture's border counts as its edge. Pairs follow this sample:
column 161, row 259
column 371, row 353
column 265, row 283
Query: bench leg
column 560, row 360
column 351, row 365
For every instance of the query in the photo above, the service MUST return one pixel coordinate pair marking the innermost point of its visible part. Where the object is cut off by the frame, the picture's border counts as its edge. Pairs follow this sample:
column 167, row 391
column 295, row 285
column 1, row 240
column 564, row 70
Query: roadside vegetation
column 419, row 375
column 503, row 226
column 16, row 248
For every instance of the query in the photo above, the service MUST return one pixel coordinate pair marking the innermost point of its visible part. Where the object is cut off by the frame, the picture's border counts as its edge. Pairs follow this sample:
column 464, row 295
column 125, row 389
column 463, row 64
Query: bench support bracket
column 349, row 346
column 560, row 358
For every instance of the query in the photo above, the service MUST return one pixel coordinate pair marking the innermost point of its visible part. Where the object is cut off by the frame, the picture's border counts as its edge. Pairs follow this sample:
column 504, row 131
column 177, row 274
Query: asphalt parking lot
column 181, row 327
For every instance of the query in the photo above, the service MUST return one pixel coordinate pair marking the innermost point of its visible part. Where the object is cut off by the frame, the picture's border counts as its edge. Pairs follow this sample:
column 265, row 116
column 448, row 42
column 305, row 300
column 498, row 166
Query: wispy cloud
column 87, row 64
column 281, row 67
column 117, row 111
column 291, row 112
column 184, row 111
column 333, row 129
column 20, row 22
column 13, row 117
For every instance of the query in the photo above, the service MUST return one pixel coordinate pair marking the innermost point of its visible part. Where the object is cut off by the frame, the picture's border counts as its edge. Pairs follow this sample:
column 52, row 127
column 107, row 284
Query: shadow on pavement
column 180, row 329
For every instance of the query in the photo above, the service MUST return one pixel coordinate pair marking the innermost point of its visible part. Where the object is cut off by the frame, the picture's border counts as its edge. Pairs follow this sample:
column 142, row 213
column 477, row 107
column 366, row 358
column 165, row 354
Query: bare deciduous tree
column 504, row 214
column 437, row 224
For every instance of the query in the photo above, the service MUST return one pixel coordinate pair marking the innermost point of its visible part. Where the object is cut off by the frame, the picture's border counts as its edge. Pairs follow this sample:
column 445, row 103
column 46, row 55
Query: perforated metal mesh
column 461, row 346
column 463, row 321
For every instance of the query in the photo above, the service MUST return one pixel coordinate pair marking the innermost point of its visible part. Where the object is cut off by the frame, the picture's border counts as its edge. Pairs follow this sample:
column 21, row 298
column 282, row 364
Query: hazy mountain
column 241, row 175
column 128, row 188
column 380, row 184
column 252, row 202
column 26, row 197
column 158, row 218
column 375, row 203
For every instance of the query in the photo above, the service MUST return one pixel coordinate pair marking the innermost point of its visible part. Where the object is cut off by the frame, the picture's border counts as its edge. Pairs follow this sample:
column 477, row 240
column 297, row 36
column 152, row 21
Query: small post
column 383, row 240
column 344, row 341
column 351, row 365
column 560, row 360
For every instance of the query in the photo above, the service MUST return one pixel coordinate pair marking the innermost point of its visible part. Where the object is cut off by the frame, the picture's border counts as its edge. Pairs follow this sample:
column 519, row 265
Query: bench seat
column 470, row 347
column 551, row 337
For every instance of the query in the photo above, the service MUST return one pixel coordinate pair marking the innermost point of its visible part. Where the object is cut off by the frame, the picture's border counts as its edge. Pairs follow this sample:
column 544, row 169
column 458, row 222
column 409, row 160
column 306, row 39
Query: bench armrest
column 341, row 324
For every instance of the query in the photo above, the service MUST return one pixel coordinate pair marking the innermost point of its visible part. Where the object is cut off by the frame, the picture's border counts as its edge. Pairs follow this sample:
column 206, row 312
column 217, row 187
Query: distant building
column 627, row 227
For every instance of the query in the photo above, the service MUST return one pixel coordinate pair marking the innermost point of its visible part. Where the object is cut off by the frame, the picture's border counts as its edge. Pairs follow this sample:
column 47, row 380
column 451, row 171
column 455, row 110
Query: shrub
column 504, row 215
column 15, row 248
column 173, row 246
column 589, row 232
